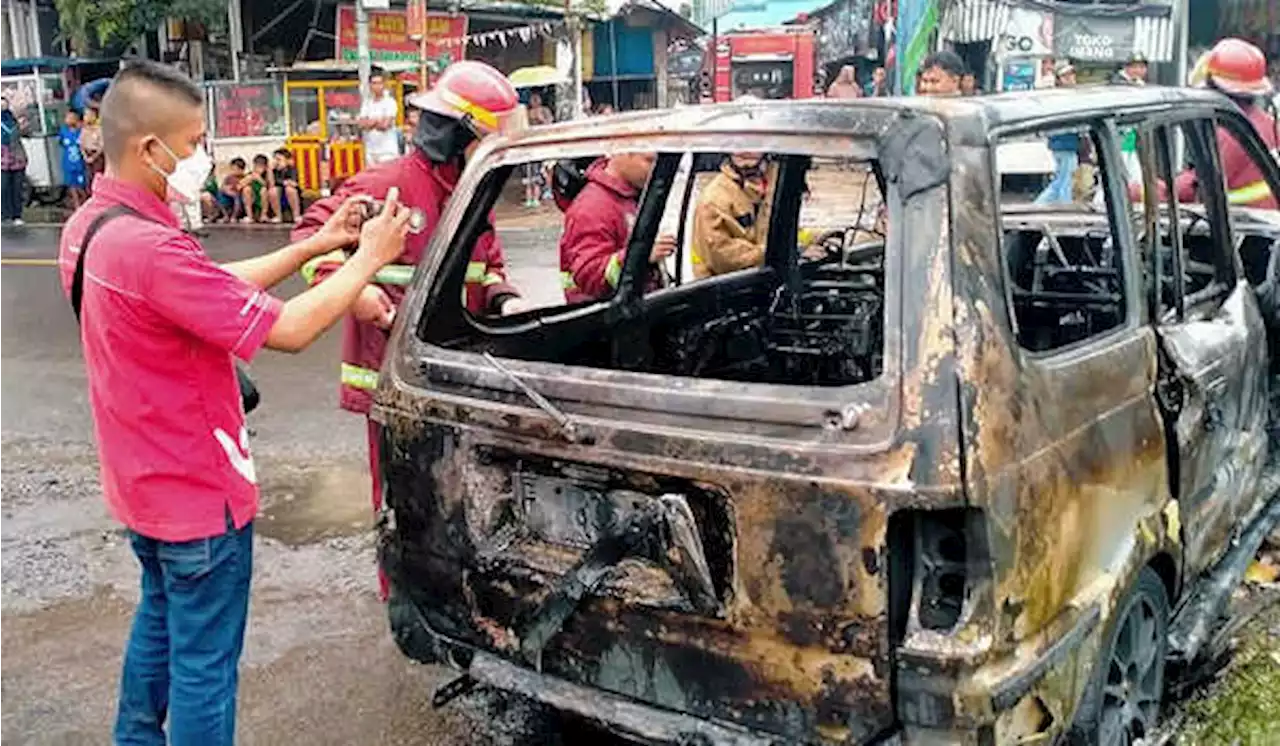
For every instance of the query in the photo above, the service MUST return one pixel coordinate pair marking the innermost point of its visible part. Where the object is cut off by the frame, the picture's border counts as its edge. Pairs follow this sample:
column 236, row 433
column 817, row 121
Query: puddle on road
column 303, row 506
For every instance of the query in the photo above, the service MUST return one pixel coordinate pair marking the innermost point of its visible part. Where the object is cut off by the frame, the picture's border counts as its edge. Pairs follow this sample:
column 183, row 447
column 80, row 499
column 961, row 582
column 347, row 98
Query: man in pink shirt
column 160, row 326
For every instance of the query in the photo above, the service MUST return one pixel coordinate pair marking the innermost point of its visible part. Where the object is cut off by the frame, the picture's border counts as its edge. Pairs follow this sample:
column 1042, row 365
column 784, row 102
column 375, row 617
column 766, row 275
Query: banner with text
column 1093, row 38
column 389, row 36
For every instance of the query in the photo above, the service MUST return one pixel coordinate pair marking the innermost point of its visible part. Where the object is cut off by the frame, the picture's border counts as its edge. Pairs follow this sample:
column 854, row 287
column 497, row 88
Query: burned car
column 942, row 466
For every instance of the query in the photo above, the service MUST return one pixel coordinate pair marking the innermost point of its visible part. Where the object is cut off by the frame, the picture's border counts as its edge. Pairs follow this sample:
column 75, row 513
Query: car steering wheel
column 832, row 245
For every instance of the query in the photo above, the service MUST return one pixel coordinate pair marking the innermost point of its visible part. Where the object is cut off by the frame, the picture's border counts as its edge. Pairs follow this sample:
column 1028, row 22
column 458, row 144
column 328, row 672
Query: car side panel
column 1064, row 452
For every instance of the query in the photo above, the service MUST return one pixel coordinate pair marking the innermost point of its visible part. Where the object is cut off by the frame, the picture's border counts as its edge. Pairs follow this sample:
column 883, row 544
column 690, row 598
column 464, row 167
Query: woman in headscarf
column 13, row 161
column 845, row 85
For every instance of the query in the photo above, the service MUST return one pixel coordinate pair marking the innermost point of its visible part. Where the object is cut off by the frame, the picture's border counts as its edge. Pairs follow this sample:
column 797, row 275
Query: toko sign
column 1099, row 39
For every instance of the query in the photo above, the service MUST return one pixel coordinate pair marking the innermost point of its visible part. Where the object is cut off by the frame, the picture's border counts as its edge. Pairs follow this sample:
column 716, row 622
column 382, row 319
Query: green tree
column 112, row 25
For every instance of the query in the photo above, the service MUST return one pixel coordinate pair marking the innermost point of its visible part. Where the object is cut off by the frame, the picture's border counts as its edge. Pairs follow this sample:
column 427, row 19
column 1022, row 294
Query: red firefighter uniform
column 426, row 186
column 597, row 226
column 1238, row 69
column 1245, row 185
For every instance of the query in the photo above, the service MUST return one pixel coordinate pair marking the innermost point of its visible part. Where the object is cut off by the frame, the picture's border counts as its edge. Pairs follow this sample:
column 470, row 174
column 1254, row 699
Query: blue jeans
column 188, row 631
column 1065, row 163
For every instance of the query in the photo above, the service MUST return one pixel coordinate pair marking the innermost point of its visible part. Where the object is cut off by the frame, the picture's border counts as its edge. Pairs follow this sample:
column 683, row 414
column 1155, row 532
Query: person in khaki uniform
column 731, row 221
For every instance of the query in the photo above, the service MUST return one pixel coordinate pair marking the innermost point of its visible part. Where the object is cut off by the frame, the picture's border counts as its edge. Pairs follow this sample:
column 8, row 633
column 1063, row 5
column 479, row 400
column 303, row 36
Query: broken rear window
column 760, row 267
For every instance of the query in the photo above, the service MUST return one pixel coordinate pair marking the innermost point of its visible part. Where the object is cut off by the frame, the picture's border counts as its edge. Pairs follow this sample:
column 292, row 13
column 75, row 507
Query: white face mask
column 188, row 176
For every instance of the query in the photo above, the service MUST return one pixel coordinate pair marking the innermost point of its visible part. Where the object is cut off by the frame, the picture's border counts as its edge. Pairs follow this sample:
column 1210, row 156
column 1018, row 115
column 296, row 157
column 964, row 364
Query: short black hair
column 377, row 72
column 238, row 163
column 259, row 159
column 126, row 110
column 948, row 61
column 284, row 152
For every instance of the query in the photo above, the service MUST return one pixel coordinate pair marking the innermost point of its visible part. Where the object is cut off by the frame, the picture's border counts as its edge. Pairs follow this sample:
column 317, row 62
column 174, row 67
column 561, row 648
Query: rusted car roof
column 829, row 116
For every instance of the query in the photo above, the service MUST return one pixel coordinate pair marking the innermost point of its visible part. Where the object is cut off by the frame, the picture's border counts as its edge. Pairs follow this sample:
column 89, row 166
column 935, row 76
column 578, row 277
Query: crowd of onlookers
column 257, row 195
column 846, row 84
column 268, row 190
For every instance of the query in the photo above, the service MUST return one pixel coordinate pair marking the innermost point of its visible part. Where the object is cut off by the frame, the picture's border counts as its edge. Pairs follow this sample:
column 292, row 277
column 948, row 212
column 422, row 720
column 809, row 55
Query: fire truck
column 766, row 63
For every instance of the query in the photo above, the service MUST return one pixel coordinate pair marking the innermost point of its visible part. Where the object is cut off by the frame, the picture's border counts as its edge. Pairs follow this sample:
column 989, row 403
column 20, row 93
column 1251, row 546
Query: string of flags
column 505, row 36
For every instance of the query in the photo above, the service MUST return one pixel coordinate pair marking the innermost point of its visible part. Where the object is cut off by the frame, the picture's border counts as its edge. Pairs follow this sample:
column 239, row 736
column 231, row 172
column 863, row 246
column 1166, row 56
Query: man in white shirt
column 378, row 121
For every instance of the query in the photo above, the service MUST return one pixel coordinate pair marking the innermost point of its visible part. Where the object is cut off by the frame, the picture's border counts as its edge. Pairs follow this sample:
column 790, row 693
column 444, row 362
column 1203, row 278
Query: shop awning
column 25, row 65
column 968, row 21
column 1133, row 27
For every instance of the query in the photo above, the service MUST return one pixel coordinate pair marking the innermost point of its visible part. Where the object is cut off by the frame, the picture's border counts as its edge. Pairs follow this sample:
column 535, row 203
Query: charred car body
column 970, row 478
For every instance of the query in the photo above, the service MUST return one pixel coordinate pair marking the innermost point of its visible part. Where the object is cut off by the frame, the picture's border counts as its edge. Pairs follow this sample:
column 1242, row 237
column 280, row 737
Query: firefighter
column 731, row 221
column 1239, row 70
column 597, row 226
column 469, row 101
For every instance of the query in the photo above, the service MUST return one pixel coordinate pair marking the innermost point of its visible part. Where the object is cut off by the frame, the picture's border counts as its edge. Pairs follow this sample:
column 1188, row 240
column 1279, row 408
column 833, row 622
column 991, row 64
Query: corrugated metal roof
column 706, row 11
column 974, row 20
column 1153, row 37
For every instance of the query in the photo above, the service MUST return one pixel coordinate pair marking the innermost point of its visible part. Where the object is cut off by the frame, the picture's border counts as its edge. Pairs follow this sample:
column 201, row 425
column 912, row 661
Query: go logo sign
column 1019, row 44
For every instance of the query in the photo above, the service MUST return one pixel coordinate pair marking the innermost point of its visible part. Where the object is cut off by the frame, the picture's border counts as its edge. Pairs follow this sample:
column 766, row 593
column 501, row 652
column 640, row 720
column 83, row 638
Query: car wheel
column 1122, row 704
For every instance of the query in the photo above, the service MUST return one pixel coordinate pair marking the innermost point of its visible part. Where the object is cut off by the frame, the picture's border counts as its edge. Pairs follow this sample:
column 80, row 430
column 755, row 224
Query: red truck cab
column 768, row 63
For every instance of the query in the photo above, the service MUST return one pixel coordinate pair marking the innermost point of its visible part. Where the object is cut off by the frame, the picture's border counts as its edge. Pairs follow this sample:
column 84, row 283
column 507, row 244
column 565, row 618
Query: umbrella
column 89, row 91
column 537, row 76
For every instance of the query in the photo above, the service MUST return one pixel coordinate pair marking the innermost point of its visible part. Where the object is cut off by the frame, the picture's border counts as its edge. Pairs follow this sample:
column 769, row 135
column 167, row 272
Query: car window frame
column 1171, row 122
column 427, row 355
column 508, row 157
column 1116, row 203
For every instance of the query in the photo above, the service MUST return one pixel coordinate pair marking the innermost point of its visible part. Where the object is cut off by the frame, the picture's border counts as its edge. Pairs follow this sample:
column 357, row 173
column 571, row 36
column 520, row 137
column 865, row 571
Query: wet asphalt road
column 319, row 666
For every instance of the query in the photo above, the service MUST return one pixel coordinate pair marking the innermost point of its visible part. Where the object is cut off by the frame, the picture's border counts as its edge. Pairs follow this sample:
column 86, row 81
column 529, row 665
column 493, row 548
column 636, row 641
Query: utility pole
column 573, row 25
column 236, row 37
column 20, row 41
column 1183, row 9
column 362, row 47
column 34, row 25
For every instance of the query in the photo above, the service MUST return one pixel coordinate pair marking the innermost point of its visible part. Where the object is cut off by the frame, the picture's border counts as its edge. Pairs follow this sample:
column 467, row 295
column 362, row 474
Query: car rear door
column 1211, row 380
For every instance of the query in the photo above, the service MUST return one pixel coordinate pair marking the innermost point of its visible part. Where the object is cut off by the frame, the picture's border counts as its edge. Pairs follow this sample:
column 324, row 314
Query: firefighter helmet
column 1235, row 67
column 474, row 93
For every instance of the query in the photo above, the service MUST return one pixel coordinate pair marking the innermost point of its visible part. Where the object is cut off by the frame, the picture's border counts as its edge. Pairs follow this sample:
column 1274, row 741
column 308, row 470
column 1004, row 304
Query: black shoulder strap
column 77, row 282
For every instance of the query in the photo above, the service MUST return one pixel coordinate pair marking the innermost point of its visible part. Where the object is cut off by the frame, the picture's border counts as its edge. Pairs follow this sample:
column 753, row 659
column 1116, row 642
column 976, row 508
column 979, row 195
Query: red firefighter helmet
column 1236, row 67
column 473, row 92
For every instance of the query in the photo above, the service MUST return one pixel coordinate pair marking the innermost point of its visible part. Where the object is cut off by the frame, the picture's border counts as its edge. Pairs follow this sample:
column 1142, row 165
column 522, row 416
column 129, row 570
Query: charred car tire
column 1122, row 703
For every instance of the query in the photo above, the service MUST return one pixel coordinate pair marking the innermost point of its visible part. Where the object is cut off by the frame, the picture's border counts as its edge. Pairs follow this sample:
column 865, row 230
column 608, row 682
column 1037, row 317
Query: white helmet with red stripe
column 474, row 93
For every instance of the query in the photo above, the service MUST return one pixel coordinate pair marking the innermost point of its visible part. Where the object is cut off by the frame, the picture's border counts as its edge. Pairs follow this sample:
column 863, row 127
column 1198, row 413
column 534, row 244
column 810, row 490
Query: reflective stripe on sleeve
column 391, row 274
column 613, row 271
column 493, row 278
column 475, row 271
column 309, row 269
column 1258, row 191
column 566, row 281
column 359, row 378
column 395, row 274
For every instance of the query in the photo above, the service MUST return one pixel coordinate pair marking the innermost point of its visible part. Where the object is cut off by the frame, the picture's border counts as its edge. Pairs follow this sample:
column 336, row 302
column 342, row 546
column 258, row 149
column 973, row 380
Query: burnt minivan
column 950, row 465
